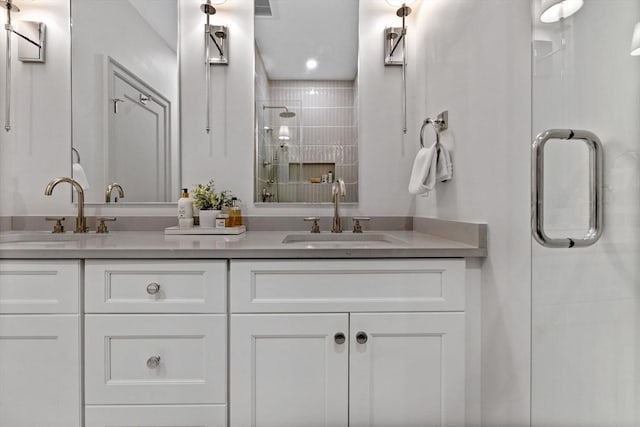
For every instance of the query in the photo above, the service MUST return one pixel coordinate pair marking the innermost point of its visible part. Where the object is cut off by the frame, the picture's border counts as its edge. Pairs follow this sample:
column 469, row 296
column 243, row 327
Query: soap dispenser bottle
column 185, row 210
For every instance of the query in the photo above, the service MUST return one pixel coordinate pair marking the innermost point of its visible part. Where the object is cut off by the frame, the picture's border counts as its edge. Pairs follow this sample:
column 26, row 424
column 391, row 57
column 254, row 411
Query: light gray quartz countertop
column 252, row 244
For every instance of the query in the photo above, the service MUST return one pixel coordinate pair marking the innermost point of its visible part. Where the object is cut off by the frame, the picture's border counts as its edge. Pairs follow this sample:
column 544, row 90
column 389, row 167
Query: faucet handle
column 58, row 227
column 102, row 226
column 315, row 228
column 357, row 228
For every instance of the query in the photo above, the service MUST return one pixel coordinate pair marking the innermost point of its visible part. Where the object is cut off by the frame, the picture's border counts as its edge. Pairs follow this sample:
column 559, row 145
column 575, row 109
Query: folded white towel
column 79, row 175
column 423, row 174
column 431, row 165
column 444, row 168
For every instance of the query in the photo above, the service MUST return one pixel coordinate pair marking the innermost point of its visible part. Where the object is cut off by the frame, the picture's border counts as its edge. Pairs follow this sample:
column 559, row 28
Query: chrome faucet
column 109, row 190
column 338, row 190
column 81, row 221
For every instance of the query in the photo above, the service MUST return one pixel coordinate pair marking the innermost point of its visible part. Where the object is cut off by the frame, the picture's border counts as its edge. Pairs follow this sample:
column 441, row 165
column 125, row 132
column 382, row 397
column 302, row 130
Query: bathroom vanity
column 138, row 327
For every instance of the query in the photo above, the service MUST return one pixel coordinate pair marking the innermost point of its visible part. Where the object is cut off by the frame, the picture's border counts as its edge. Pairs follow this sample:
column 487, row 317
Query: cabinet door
column 289, row 371
column 40, row 371
column 409, row 372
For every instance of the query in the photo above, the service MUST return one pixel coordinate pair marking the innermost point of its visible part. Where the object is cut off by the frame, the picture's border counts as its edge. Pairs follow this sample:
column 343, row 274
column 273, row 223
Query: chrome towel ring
column 439, row 124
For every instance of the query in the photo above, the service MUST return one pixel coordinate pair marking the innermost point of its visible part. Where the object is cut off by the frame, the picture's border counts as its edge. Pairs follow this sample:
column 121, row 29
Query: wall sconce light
column 635, row 41
column 555, row 10
column 284, row 134
column 216, row 42
column 30, row 49
column 395, row 49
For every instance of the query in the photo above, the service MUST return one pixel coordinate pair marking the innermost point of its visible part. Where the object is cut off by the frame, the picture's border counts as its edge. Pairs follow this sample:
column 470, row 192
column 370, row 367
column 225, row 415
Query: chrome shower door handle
column 596, row 153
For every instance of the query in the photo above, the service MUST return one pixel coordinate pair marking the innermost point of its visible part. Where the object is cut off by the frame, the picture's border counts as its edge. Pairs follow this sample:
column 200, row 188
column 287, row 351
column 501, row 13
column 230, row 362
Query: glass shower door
column 586, row 300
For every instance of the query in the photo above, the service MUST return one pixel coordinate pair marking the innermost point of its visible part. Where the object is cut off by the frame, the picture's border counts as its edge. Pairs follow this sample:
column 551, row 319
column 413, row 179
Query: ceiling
column 298, row 30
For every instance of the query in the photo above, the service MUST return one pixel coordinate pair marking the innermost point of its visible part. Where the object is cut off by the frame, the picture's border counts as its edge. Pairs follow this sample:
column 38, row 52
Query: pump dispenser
column 185, row 210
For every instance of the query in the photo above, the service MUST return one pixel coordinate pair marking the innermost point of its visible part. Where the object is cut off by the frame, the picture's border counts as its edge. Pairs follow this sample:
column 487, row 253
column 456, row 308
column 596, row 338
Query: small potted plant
column 207, row 202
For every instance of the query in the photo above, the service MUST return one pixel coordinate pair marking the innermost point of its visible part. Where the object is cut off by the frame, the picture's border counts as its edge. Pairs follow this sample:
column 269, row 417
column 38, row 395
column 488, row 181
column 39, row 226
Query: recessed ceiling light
column 311, row 64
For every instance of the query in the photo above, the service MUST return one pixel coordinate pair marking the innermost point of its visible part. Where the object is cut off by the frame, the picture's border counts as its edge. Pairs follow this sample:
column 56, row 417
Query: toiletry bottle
column 235, row 213
column 185, row 205
column 330, row 177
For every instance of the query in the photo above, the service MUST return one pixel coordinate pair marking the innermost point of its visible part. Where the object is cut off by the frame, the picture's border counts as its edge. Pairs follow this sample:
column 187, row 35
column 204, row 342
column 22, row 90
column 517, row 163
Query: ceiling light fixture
column 312, row 64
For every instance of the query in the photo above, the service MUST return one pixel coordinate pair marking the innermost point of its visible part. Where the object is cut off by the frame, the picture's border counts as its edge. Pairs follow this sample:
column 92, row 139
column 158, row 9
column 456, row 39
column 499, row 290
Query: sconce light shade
column 555, row 10
column 283, row 134
column 398, row 3
column 635, row 41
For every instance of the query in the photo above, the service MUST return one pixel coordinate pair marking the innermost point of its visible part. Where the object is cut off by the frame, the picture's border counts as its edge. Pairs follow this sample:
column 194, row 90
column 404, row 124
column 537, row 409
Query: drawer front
column 156, row 416
column 39, row 287
column 153, row 359
column 155, row 286
column 337, row 285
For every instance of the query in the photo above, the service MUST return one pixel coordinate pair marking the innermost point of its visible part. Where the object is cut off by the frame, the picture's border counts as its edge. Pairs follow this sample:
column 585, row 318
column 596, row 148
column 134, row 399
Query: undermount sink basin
column 342, row 238
column 42, row 237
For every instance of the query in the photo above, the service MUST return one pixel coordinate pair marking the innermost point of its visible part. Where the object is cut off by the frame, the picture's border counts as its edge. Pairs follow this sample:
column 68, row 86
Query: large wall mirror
column 306, row 56
column 125, row 98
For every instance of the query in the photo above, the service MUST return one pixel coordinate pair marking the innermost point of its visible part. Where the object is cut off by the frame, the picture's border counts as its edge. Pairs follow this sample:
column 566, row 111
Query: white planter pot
column 208, row 218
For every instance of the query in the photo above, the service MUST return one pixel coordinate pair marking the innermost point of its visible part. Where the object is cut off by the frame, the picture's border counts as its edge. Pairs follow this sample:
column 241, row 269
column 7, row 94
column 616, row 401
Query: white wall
column 37, row 148
column 474, row 58
column 39, row 144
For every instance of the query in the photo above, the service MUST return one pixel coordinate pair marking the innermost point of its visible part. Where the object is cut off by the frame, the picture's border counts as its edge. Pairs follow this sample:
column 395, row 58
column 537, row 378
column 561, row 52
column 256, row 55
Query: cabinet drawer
column 156, row 416
column 349, row 285
column 39, row 287
column 153, row 359
column 155, row 286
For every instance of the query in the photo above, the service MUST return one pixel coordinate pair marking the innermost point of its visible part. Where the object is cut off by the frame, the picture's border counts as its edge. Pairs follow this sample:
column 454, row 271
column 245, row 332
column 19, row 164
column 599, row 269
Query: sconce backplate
column 218, row 38
column 27, row 51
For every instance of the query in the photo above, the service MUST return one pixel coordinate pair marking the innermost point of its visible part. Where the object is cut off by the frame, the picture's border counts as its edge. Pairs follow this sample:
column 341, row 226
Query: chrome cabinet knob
column 361, row 337
column 153, row 362
column 340, row 338
column 153, row 288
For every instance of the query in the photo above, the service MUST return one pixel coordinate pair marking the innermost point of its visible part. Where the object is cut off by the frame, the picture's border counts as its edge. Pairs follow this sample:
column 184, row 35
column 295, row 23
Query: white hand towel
column 79, row 175
column 444, row 168
column 423, row 174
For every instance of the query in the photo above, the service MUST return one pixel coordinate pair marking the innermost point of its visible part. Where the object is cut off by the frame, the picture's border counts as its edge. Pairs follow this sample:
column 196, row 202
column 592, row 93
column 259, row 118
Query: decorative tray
column 199, row 230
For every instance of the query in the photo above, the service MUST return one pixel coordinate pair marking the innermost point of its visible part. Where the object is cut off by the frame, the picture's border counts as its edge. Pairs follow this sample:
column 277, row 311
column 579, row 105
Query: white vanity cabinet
column 40, row 343
column 347, row 343
column 155, row 343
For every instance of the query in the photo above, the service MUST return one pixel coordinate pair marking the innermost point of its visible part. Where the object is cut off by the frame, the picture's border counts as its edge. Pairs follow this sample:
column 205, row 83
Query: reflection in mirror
column 125, row 98
column 306, row 99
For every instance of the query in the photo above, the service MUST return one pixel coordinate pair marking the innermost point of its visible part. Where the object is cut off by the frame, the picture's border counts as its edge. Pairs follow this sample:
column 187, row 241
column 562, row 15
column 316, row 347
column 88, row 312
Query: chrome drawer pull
column 153, row 288
column 153, row 362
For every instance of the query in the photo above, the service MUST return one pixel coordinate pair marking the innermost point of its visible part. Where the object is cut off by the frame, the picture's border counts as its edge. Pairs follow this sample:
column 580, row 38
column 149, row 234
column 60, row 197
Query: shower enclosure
column 586, row 286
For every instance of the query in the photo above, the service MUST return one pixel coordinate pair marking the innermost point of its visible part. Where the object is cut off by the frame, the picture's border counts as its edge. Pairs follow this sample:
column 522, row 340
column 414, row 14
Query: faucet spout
column 338, row 190
column 81, row 221
column 109, row 190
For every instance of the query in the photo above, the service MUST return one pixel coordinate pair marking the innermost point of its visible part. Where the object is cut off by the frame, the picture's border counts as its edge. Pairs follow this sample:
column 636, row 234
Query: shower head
column 207, row 8
column 9, row 6
column 286, row 114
